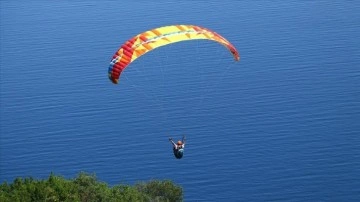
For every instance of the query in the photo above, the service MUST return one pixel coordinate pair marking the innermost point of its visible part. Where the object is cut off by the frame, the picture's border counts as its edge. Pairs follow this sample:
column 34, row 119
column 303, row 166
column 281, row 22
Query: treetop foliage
column 86, row 187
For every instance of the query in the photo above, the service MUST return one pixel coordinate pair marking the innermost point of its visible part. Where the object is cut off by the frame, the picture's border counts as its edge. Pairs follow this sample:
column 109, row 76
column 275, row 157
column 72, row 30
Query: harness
column 179, row 152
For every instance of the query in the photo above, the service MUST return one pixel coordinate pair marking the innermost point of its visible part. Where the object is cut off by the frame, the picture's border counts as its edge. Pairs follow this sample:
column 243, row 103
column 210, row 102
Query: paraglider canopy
column 149, row 40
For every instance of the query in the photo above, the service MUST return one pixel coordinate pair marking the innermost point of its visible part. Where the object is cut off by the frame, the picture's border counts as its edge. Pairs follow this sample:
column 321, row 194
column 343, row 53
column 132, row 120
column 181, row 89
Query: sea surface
column 283, row 124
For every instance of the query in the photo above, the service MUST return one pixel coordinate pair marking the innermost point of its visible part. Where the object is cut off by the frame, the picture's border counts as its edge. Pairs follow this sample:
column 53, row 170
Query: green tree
column 161, row 190
column 86, row 188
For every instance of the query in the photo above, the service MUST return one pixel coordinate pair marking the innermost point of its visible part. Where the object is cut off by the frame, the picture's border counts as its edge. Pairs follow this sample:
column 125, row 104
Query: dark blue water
column 280, row 125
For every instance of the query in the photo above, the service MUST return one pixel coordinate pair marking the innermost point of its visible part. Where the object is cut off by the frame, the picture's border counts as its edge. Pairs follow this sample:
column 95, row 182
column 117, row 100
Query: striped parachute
column 149, row 40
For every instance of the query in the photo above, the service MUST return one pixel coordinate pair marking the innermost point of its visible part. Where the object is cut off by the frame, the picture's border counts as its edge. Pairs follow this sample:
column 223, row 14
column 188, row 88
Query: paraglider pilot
column 178, row 147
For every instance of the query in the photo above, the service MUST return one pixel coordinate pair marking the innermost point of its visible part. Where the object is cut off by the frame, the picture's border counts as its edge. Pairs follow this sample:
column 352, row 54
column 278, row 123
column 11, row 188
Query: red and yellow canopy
column 149, row 40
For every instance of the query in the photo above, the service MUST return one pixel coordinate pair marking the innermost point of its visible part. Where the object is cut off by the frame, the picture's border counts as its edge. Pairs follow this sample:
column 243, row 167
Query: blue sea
column 283, row 124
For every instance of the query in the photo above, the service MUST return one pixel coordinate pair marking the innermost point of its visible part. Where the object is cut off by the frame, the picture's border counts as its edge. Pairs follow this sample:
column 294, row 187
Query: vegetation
column 85, row 187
